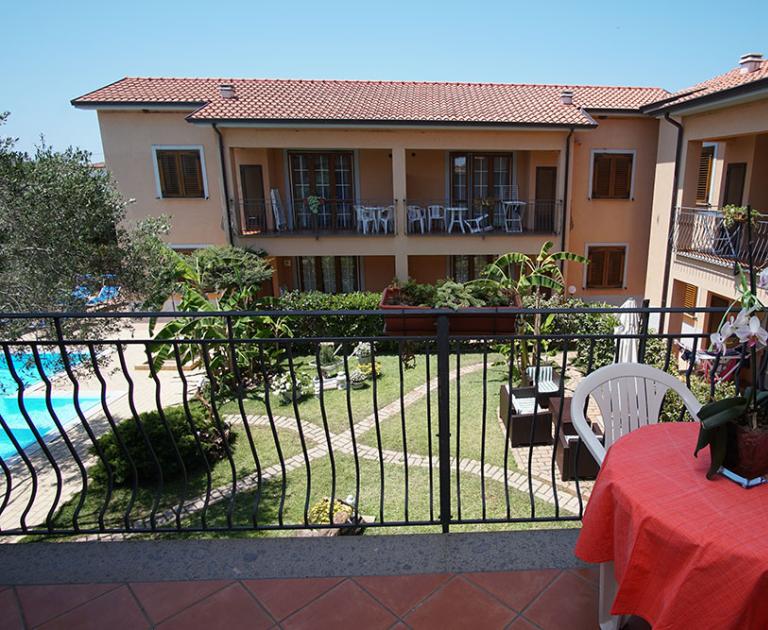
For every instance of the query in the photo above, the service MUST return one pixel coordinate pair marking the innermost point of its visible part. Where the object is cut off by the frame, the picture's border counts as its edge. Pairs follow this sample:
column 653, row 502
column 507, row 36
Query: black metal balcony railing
column 423, row 437
column 443, row 216
column 327, row 216
column 702, row 234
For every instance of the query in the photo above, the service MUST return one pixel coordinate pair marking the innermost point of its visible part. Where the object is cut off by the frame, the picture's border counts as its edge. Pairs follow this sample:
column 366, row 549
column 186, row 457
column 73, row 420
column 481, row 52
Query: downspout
column 227, row 210
column 565, row 190
column 673, row 207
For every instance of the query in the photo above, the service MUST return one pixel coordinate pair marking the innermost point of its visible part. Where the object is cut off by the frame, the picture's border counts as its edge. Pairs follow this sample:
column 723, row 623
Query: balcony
column 701, row 234
column 434, row 217
column 424, row 442
column 326, row 217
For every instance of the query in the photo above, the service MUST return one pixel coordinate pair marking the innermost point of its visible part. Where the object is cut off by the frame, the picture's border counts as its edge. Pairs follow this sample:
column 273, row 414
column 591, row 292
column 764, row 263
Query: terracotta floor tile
column 116, row 610
column 346, row 605
column 400, row 593
column 163, row 599
column 569, row 597
column 283, row 597
column 516, row 589
column 459, row 604
column 521, row 623
column 591, row 574
column 9, row 611
column 230, row 608
column 41, row 603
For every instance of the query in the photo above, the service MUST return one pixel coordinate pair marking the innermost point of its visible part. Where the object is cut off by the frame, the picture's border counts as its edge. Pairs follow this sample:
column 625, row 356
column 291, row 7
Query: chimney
column 227, row 90
column 750, row 62
column 566, row 97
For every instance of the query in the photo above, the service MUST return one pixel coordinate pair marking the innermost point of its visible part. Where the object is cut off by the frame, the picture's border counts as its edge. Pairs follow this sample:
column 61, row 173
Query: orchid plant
column 748, row 407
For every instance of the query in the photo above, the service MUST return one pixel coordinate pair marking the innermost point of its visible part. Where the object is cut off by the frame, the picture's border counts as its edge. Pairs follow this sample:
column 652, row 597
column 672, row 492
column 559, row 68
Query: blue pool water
column 34, row 403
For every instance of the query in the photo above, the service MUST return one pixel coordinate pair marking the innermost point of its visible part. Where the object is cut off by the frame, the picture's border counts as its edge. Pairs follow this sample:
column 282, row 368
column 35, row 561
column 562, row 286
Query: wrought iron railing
column 703, row 234
column 230, row 429
column 325, row 216
column 445, row 216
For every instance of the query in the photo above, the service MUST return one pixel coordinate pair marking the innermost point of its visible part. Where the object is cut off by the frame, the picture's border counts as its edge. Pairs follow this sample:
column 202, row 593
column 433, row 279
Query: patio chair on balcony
column 366, row 219
column 386, row 217
column 629, row 395
column 277, row 210
column 513, row 208
column 435, row 213
column 475, row 224
column 416, row 215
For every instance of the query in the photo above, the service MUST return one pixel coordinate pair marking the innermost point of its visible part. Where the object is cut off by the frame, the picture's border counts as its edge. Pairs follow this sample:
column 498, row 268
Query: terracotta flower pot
column 747, row 451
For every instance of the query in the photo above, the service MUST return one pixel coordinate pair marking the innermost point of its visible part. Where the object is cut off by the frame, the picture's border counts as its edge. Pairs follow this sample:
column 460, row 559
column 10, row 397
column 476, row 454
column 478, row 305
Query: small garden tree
column 63, row 236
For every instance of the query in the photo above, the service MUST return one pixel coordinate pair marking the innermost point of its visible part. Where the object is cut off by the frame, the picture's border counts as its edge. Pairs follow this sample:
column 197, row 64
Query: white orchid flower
column 762, row 279
column 753, row 334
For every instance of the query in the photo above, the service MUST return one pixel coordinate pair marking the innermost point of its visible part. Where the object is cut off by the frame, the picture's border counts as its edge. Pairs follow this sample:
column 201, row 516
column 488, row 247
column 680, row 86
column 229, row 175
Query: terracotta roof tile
column 731, row 79
column 375, row 101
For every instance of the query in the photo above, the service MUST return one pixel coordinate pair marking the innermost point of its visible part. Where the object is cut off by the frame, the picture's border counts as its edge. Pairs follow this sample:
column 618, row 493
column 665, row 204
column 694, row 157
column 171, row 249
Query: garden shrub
column 331, row 326
column 211, row 441
column 320, row 511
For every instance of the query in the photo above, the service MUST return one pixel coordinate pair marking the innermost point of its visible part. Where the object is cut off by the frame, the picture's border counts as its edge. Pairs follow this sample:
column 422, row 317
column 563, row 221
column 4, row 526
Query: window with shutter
column 612, row 175
column 180, row 173
column 606, row 267
column 690, row 296
column 704, row 178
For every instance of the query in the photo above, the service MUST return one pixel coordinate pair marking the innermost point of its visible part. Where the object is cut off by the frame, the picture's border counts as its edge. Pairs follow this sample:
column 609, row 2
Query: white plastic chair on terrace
column 386, row 216
column 416, row 215
column 277, row 210
column 435, row 213
column 629, row 395
column 366, row 219
column 475, row 224
column 546, row 383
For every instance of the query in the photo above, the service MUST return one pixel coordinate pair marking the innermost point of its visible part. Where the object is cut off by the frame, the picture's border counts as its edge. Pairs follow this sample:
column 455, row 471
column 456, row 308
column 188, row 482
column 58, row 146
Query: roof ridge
column 400, row 82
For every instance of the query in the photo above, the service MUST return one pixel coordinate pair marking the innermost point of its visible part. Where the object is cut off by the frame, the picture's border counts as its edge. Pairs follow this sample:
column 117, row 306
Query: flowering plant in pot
column 736, row 428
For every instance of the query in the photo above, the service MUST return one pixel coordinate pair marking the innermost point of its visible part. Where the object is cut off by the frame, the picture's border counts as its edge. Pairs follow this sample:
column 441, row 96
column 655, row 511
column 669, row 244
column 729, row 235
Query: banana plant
column 535, row 273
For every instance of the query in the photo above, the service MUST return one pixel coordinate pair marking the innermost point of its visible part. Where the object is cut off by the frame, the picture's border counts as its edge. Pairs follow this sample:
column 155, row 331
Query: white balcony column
column 399, row 194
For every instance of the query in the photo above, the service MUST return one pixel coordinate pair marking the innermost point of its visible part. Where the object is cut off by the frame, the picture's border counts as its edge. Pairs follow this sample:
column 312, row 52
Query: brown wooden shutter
column 601, row 180
column 690, row 295
column 704, row 178
column 168, row 168
column 614, row 273
column 191, row 172
column 596, row 267
column 622, row 176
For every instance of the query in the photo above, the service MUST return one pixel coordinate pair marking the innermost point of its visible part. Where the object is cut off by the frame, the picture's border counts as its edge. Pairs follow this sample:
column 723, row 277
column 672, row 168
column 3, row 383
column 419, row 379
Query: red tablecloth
column 688, row 553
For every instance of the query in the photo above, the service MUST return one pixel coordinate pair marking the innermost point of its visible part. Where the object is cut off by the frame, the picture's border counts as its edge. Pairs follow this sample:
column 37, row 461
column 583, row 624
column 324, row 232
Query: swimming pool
column 62, row 400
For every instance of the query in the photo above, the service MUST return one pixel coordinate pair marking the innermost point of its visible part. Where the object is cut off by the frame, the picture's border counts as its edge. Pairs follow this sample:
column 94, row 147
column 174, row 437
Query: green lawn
column 393, row 506
column 405, row 493
column 221, row 475
column 469, row 412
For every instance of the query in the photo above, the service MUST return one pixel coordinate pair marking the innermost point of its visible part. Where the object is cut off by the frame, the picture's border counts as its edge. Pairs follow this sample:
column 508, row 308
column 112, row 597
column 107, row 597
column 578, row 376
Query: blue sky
column 54, row 51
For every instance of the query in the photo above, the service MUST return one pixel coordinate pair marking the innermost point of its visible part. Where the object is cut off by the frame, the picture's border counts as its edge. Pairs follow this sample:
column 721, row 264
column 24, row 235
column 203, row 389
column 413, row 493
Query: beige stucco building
column 349, row 184
column 712, row 152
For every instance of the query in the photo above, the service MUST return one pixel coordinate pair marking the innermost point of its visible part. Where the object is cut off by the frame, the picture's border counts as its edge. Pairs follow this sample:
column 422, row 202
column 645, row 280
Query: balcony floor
column 550, row 598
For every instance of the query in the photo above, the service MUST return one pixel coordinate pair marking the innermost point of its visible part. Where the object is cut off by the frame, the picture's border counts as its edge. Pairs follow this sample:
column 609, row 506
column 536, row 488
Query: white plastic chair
column 475, row 224
column 366, row 219
column 277, row 210
column 435, row 213
column 386, row 217
column 629, row 395
column 546, row 383
column 416, row 215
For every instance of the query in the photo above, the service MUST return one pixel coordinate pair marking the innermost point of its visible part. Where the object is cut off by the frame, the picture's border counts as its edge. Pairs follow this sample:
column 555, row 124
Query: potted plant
column 410, row 298
column 283, row 387
column 364, row 352
column 371, row 370
column 736, row 428
column 329, row 362
column 357, row 379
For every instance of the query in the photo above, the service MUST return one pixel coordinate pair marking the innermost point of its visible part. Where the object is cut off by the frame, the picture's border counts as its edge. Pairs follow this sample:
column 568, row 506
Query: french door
column 322, row 189
column 481, row 181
